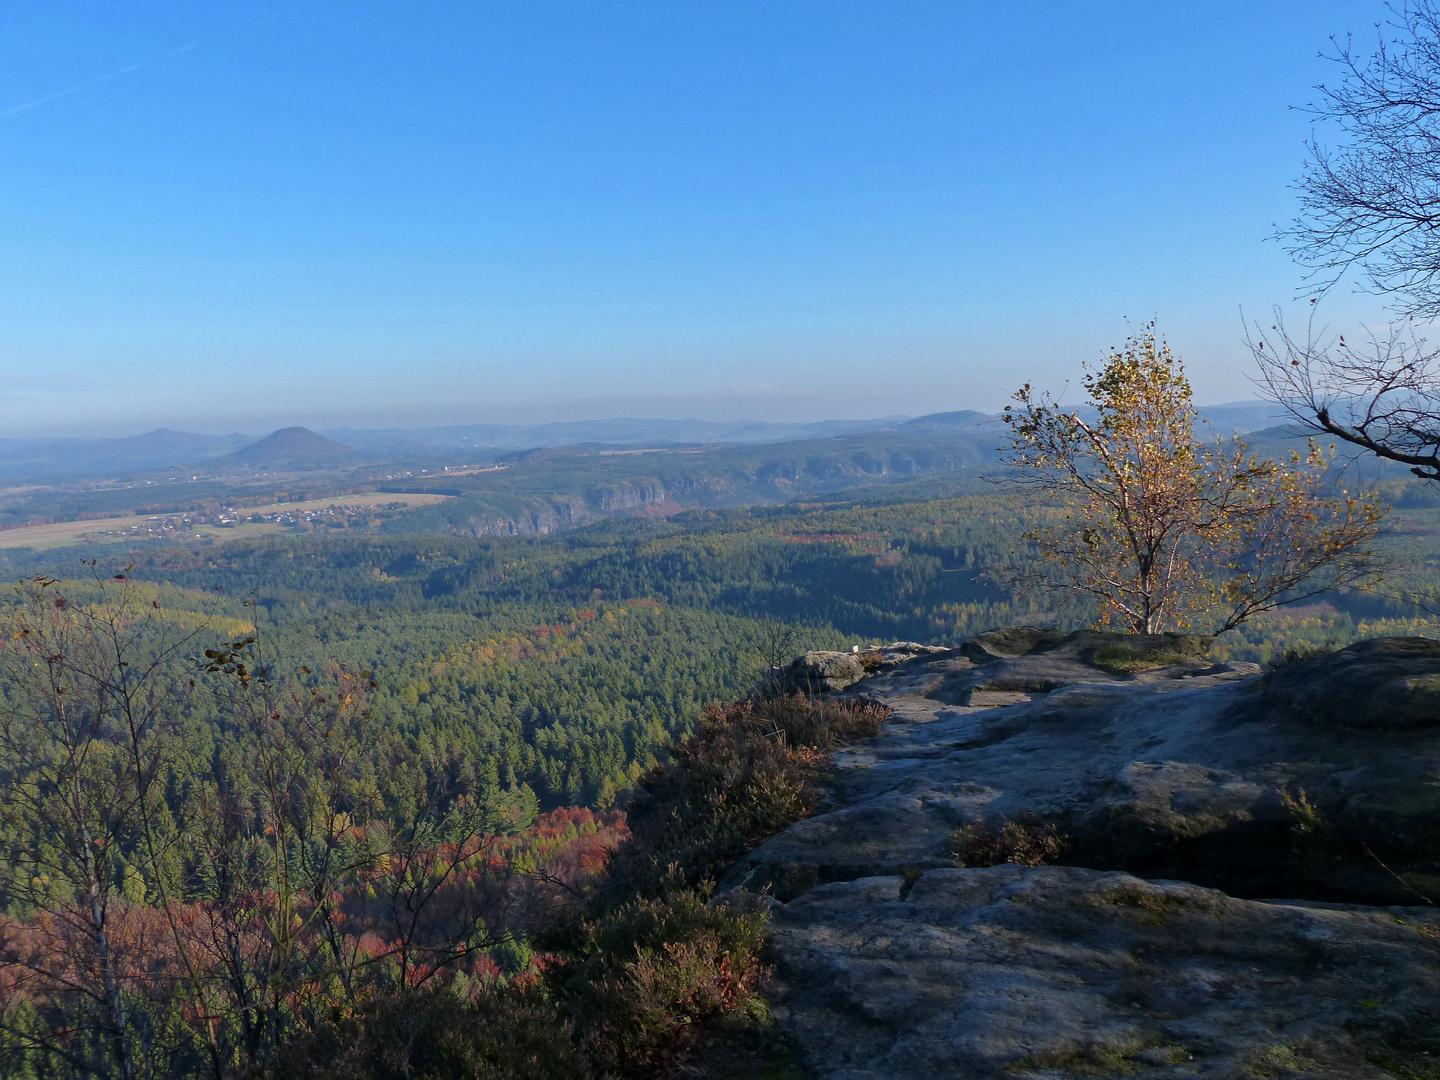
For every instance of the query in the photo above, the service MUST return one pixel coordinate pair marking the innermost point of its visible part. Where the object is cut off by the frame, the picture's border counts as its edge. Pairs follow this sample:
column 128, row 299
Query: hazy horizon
column 122, row 429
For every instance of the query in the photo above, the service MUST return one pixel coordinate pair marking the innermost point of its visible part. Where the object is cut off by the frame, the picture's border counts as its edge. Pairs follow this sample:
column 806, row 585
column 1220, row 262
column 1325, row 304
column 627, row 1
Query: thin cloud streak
column 96, row 81
column 44, row 100
column 189, row 46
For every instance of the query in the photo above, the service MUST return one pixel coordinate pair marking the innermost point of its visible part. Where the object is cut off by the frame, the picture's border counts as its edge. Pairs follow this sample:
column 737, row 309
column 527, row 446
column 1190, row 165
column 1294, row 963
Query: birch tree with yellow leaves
column 1165, row 531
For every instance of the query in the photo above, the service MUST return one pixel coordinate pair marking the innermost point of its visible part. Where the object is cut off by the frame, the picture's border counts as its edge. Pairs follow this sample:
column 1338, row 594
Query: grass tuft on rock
column 1121, row 658
column 1095, row 1060
column 1025, row 840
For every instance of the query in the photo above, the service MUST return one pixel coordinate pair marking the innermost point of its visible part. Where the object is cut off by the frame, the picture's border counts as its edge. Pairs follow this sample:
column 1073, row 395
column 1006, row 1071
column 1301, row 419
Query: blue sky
column 237, row 216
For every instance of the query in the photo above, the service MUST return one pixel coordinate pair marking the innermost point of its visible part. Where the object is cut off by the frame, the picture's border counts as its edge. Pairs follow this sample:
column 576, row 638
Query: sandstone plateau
column 1244, row 887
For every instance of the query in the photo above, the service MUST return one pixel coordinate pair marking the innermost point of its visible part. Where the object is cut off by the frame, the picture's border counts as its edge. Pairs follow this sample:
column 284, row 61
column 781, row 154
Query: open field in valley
column 280, row 517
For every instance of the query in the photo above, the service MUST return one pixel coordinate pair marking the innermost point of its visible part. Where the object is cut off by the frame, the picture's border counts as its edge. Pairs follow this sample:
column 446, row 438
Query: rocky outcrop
column 1148, row 757
column 615, row 498
column 820, row 671
column 1385, row 684
column 1190, row 794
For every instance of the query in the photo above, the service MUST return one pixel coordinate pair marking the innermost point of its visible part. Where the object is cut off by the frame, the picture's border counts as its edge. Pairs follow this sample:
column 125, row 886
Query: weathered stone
column 1061, row 971
column 1179, row 772
column 899, row 652
column 820, row 672
column 1384, row 683
column 1319, row 782
column 1028, row 660
column 1118, row 652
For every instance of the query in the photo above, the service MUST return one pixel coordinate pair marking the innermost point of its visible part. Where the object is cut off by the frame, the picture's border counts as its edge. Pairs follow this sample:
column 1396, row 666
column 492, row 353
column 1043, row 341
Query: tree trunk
column 114, row 1000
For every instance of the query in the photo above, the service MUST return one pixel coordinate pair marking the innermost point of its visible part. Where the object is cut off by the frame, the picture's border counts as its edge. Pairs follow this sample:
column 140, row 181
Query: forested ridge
column 566, row 661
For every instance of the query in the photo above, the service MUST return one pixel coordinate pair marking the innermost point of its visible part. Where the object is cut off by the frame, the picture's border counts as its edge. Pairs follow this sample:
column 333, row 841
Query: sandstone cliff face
column 1192, row 794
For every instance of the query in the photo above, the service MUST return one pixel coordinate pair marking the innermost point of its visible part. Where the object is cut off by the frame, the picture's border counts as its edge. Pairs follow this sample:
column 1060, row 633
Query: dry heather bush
column 872, row 660
column 800, row 721
column 1298, row 654
column 1025, row 840
column 631, row 1000
column 745, row 775
column 651, row 973
column 509, row 1034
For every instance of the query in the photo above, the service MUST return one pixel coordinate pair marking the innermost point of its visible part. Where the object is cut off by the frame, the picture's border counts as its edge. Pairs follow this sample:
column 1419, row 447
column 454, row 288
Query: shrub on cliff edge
column 509, row 1033
column 649, row 975
column 745, row 775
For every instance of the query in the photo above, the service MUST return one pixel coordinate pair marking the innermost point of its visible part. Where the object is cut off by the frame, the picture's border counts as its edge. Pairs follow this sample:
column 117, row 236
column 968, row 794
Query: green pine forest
column 566, row 662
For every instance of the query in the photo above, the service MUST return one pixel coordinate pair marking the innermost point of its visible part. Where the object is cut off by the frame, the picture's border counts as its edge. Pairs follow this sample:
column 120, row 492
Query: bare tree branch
column 1373, row 203
column 1382, row 395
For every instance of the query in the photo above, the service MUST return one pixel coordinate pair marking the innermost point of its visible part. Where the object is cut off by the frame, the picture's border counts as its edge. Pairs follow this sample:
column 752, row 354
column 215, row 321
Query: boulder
column 900, row 652
column 820, row 672
column 1384, row 683
column 823, row 672
column 1119, row 653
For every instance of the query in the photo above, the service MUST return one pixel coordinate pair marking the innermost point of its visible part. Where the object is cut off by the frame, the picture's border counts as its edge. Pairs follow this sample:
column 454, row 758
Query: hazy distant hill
column 550, row 489
column 619, row 431
column 945, row 421
column 300, row 448
column 51, row 459
column 291, row 448
column 1243, row 416
column 58, row 459
column 1226, row 419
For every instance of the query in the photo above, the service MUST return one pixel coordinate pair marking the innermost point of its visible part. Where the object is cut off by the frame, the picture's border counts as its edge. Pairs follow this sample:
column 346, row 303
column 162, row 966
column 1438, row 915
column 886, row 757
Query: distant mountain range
column 298, row 448
column 620, row 431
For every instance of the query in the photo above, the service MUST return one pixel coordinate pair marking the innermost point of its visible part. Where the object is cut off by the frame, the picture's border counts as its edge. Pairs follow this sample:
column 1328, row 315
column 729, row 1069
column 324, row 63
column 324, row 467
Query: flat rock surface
column 1181, row 771
column 1061, row 971
column 1181, row 787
